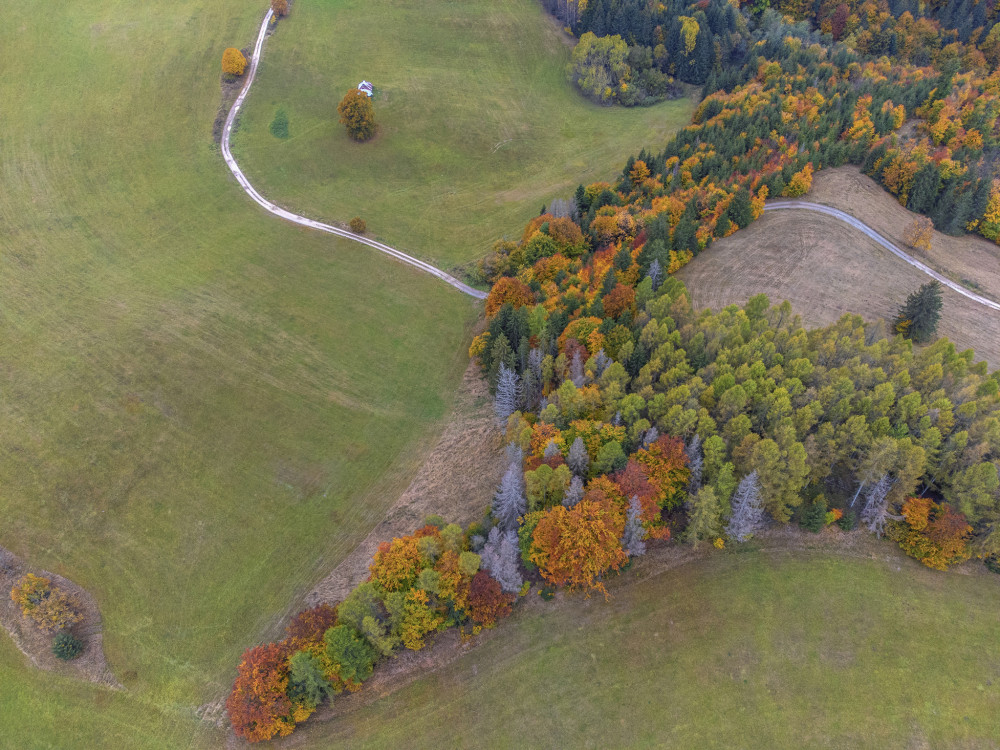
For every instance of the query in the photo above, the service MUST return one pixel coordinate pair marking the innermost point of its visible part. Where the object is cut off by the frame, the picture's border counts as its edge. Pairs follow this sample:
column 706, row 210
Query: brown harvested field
column 962, row 259
column 825, row 269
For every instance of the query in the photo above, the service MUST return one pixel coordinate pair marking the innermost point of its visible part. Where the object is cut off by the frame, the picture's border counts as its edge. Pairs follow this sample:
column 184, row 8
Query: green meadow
column 478, row 126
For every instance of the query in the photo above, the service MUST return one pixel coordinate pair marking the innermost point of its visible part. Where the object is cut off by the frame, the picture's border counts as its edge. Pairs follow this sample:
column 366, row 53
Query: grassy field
column 752, row 650
column 203, row 408
column 825, row 268
column 478, row 126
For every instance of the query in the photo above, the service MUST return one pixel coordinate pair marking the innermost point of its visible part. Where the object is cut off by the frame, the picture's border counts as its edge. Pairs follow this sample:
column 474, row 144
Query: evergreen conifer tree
column 918, row 317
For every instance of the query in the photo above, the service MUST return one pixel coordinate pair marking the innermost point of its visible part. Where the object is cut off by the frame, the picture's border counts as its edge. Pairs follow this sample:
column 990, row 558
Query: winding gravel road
column 463, row 287
column 892, row 248
column 264, row 203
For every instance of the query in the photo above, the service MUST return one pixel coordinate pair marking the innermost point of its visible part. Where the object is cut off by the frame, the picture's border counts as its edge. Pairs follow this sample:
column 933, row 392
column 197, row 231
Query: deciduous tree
column 357, row 115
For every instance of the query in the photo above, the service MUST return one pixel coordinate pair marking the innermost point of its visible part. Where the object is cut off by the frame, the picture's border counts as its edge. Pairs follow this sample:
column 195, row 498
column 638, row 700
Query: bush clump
column 233, row 62
column 67, row 646
column 279, row 125
column 358, row 225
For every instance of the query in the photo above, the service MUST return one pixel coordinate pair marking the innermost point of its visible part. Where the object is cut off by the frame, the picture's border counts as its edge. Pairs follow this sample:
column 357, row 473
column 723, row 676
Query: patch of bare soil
column 36, row 644
column 456, row 481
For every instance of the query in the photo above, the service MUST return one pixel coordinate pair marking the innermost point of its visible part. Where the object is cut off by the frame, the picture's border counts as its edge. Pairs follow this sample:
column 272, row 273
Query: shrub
column 814, row 516
column 992, row 563
column 279, row 125
column 67, row 646
column 847, row 521
column 280, row 7
column 932, row 533
column 233, row 62
column 358, row 225
column 357, row 114
column 50, row 608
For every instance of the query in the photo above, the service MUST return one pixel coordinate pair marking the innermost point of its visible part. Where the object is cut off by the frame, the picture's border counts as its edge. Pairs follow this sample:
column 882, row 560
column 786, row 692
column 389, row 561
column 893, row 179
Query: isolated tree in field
column 357, row 114
column 634, row 532
column 919, row 233
column 280, row 7
column 918, row 317
column 508, row 394
column 510, row 502
column 500, row 557
column 233, row 62
column 578, row 458
column 876, row 515
column 358, row 225
column 748, row 509
column 705, row 517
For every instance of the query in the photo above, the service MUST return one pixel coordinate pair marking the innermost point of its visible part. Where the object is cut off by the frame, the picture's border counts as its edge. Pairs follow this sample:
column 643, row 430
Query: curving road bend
column 264, row 203
column 892, row 248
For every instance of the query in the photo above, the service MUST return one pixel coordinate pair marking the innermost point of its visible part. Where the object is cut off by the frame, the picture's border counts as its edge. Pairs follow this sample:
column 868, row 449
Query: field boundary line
column 887, row 244
column 270, row 207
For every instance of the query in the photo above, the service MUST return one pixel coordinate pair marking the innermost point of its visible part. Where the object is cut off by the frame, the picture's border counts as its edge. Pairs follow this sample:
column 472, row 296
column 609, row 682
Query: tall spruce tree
column 918, row 317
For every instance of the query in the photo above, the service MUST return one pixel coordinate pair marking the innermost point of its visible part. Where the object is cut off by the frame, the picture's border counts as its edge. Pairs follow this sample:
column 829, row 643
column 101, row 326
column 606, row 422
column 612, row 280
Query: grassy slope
column 741, row 650
column 203, row 408
column 825, row 269
column 478, row 125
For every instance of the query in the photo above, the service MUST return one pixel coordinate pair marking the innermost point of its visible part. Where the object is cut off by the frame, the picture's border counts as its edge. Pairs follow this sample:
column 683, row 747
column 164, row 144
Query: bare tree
column 748, row 509
column 574, row 493
column 578, row 458
column 695, row 463
column 508, row 396
column 535, row 357
column 634, row 532
column 509, row 503
column 875, row 515
column 576, row 373
column 601, row 363
column 649, row 437
column 500, row 557
column 655, row 273
column 551, row 450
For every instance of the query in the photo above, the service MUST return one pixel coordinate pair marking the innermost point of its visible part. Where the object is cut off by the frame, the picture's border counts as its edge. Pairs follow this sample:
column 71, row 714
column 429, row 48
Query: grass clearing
column 478, row 126
column 204, row 408
column 825, row 268
column 752, row 649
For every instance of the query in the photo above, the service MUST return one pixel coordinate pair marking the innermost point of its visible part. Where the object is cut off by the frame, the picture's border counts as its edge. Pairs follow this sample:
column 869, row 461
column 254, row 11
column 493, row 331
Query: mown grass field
column 478, row 127
column 742, row 650
column 203, row 409
column 826, row 268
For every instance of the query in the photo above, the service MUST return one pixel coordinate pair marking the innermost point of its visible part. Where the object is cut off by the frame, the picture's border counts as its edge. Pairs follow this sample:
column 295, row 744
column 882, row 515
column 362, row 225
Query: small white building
column 366, row 87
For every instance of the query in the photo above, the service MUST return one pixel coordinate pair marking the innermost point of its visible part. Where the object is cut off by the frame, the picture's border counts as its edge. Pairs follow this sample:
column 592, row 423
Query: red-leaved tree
column 258, row 706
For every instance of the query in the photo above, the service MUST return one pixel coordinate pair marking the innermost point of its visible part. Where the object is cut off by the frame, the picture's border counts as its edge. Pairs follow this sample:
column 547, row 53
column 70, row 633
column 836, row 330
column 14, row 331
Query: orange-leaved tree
column 258, row 706
column 666, row 468
column 932, row 533
column 280, row 7
column 510, row 290
column 233, row 62
column 919, row 233
column 575, row 546
column 357, row 114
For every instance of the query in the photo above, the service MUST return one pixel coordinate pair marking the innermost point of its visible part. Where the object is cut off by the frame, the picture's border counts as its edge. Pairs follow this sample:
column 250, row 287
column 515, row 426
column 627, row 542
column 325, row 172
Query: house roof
column 366, row 87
